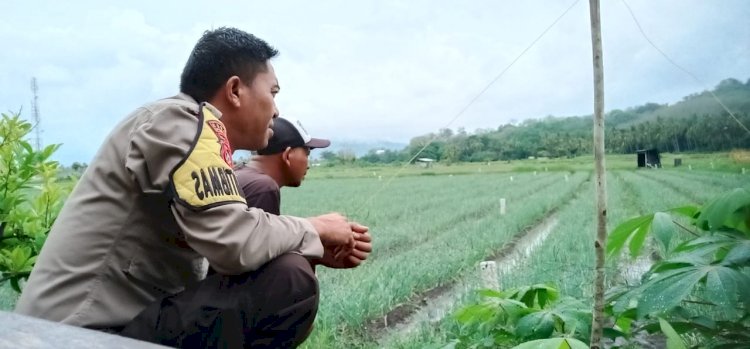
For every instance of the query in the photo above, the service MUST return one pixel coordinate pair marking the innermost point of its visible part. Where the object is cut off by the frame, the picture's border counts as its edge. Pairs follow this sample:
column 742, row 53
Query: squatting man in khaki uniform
column 127, row 252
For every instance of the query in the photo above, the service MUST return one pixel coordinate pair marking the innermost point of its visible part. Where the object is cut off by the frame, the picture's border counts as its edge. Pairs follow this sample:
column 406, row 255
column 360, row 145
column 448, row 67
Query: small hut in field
column 648, row 158
column 425, row 162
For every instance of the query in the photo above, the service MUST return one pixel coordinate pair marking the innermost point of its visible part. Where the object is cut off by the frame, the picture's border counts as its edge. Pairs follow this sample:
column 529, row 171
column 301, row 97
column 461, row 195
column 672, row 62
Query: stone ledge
column 19, row 331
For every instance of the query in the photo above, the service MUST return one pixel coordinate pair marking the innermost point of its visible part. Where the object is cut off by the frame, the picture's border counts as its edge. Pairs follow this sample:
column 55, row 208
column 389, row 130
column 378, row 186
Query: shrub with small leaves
column 30, row 199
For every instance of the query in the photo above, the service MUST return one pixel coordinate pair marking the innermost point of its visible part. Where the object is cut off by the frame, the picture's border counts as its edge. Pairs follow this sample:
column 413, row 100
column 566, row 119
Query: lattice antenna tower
column 35, row 114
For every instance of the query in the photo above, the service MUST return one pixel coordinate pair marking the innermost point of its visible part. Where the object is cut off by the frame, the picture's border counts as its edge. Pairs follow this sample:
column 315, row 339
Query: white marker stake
column 488, row 270
column 502, row 206
column 566, row 178
column 690, row 167
column 380, row 178
column 511, row 178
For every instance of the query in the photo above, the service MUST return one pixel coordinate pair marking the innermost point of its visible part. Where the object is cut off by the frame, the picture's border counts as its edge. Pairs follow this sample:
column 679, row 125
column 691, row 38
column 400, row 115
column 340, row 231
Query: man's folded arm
column 237, row 239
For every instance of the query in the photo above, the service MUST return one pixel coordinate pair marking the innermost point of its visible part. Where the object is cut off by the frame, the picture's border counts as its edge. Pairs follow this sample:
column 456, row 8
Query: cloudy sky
column 365, row 70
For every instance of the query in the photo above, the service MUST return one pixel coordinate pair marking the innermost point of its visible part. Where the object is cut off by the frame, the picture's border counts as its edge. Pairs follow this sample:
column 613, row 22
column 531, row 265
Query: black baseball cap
column 290, row 133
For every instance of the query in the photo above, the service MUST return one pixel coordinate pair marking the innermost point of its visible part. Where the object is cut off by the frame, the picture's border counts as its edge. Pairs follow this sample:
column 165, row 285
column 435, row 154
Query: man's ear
column 232, row 91
column 285, row 156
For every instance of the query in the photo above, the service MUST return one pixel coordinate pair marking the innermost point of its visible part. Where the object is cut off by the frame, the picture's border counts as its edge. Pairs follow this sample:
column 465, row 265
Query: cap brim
column 318, row 143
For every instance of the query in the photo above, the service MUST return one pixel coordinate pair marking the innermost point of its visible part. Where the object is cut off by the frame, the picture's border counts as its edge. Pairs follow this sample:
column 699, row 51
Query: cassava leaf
column 730, row 210
column 739, row 254
column 665, row 292
column 576, row 323
column 536, row 325
column 687, row 211
column 721, row 288
column 553, row 343
column 474, row 313
column 540, row 294
column 672, row 264
column 623, row 232
column 743, row 284
column 637, row 240
column 709, row 247
column 624, row 323
column 663, row 229
column 673, row 339
column 491, row 293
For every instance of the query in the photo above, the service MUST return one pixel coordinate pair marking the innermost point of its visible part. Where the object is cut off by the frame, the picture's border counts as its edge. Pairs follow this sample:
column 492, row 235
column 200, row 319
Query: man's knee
column 291, row 272
column 290, row 302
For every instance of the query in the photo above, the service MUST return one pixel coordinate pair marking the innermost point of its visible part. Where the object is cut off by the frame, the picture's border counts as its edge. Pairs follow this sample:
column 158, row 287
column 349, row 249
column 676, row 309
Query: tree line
column 697, row 123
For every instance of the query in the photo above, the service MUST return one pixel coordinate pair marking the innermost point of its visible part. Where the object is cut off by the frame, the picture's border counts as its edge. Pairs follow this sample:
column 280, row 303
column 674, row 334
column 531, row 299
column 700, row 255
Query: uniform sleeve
column 236, row 238
column 183, row 152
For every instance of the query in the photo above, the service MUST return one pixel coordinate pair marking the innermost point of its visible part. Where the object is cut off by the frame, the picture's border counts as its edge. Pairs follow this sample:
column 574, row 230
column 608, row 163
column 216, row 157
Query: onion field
column 433, row 226
column 431, row 232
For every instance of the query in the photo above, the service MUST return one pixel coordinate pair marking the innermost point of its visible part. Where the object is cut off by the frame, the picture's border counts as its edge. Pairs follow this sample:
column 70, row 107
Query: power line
column 471, row 102
column 670, row 60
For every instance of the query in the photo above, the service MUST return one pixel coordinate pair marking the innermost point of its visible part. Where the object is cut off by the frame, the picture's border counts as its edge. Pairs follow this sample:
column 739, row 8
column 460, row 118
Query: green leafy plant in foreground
column 505, row 318
column 30, row 199
column 701, row 287
column 697, row 294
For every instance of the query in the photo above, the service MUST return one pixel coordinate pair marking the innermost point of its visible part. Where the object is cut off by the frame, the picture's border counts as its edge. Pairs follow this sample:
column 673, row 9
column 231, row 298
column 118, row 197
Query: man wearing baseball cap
column 284, row 162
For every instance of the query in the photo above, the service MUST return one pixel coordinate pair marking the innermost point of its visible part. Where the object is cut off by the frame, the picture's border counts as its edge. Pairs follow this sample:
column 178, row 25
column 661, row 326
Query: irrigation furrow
column 433, row 304
column 438, row 302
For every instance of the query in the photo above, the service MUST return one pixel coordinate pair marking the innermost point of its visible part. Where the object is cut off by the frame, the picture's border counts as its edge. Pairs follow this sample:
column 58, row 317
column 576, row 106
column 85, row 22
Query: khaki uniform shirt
column 158, row 199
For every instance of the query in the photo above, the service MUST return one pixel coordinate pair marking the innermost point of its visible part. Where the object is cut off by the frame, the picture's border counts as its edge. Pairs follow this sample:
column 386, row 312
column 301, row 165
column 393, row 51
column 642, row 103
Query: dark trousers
column 272, row 307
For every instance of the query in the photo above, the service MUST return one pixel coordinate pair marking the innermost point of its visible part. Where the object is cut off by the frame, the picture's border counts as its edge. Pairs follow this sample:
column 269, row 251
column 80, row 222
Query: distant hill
column 359, row 148
column 696, row 123
column 731, row 92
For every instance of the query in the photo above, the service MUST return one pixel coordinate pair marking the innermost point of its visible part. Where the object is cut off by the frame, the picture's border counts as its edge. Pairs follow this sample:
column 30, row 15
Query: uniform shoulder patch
column 205, row 177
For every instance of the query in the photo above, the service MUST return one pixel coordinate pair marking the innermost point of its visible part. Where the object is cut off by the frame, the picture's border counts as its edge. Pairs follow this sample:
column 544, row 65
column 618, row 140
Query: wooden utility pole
column 601, row 176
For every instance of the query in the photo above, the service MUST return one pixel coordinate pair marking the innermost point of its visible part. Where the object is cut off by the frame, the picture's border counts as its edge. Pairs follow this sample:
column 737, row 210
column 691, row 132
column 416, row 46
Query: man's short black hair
column 219, row 55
